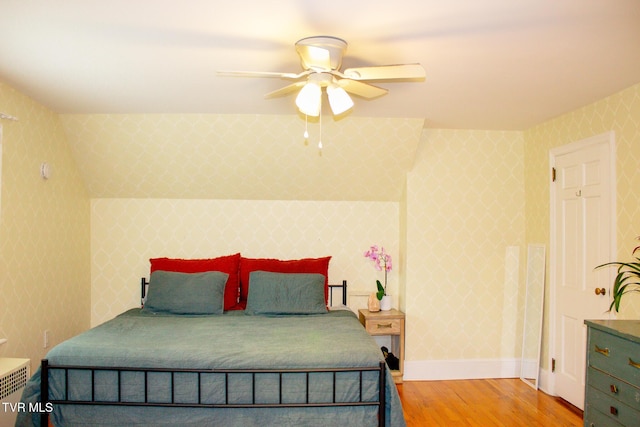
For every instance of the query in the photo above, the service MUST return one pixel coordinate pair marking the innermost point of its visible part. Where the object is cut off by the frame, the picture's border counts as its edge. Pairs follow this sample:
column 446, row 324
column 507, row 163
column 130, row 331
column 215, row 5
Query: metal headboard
column 144, row 283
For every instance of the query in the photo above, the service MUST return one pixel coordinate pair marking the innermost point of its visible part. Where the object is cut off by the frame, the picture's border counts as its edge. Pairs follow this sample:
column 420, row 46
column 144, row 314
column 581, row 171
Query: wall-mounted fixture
column 45, row 170
column 8, row 117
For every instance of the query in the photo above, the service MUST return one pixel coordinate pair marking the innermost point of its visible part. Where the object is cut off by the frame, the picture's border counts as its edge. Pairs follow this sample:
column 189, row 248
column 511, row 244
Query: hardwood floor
column 483, row 403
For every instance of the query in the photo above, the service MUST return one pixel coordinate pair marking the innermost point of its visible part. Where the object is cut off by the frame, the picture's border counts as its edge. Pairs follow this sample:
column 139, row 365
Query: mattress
column 233, row 340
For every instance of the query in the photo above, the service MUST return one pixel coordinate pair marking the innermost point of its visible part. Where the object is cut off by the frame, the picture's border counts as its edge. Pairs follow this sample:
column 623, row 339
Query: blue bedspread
column 229, row 341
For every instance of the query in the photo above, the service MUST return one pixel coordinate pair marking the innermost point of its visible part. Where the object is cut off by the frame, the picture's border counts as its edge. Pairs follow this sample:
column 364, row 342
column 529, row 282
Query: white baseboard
column 465, row 369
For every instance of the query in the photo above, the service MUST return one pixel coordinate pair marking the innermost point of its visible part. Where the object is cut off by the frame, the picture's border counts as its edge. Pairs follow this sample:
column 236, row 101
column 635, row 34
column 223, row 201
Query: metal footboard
column 46, row 368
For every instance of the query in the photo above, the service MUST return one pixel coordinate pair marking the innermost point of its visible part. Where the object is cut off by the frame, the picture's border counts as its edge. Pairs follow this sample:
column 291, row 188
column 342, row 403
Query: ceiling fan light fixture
column 339, row 99
column 321, row 59
column 309, row 99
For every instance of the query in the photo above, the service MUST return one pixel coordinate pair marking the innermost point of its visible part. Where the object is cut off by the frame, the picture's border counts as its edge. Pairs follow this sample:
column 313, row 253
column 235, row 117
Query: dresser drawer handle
column 613, row 388
column 385, row 325
column 613, row 410
column 634, row 364
column 604, row 351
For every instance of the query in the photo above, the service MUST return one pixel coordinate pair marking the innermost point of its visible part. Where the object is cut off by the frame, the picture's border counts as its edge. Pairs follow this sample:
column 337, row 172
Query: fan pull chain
column 306, row 132
column 320, row 136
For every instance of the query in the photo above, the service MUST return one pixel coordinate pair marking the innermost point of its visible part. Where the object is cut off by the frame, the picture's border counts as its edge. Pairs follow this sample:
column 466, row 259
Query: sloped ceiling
column 200, row 156
column 147, row 115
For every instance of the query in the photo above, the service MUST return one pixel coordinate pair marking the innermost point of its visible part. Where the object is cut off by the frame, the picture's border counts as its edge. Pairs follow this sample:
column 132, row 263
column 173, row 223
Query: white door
column 583, row 234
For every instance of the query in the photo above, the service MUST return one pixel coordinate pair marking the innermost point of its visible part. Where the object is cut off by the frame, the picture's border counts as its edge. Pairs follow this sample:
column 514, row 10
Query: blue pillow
column 186, row 293
column 285, row 293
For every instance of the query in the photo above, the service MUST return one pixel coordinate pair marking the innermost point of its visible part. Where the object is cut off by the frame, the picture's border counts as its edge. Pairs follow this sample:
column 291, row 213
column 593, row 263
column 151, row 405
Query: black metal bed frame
column 46, row 368
column 144, row 283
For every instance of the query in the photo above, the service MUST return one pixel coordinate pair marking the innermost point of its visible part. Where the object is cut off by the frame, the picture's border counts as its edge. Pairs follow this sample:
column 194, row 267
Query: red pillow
column 227, row 264
column 305, row 265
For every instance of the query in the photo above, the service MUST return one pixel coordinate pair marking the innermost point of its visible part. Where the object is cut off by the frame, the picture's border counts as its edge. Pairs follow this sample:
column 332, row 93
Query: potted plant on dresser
column 612, row 374
column 627, row 280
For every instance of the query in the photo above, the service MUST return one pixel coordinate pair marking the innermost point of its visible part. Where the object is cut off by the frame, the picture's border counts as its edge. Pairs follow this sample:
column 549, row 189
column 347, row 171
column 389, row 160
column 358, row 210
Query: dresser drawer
column 383, row 327
column 594, row 418
column 617, row 356
column 612, row 408
column 615, row 388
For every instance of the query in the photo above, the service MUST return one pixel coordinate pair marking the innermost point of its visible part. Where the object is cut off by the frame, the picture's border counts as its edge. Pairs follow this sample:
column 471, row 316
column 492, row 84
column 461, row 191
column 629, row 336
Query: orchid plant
column 381, row 262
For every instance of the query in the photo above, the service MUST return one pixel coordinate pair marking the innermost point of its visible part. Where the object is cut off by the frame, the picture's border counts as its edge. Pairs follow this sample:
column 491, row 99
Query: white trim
column 460, row 369
column 543, row 381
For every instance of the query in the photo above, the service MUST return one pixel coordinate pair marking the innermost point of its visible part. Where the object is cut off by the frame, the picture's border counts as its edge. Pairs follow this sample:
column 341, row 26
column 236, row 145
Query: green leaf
column 380, row 292
column 627, row 280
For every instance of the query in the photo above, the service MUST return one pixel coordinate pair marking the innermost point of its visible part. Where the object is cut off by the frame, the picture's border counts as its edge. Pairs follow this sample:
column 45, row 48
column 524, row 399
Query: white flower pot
column 385, row 303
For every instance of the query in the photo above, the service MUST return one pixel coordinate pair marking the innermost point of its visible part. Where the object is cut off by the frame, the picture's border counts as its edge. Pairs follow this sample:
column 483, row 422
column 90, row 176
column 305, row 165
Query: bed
column 278, row 357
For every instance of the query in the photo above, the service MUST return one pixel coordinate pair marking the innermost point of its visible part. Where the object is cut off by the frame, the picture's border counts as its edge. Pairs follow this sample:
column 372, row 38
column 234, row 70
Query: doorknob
column 601, row 291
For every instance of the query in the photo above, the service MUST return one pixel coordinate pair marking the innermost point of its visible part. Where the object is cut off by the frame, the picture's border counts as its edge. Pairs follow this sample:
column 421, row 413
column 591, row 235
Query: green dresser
column 613, row 373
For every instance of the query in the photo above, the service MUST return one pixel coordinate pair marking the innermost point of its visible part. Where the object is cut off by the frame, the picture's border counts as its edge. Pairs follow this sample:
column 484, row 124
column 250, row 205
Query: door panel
column 582, row 212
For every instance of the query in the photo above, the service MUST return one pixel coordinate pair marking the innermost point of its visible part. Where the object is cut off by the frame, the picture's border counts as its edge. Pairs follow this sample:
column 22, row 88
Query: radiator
column 14, row 374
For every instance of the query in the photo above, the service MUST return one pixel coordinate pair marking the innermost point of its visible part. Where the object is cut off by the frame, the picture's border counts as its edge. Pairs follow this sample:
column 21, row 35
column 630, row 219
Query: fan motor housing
column 313, row 50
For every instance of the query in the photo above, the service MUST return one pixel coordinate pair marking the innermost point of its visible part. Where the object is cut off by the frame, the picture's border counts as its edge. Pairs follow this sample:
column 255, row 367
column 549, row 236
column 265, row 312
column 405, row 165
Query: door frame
column 606, row 137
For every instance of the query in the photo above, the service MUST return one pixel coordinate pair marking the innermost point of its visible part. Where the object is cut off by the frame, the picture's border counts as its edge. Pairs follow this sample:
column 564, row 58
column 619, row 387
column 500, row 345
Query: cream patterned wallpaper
column 125, row 233
column 465, row 227
column 455, row 207
column 242, row 157
column 619, row 112
column 44, row 232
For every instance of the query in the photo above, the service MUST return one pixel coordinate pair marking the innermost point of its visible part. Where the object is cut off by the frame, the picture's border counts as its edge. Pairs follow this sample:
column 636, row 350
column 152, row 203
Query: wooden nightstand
column 390, row 323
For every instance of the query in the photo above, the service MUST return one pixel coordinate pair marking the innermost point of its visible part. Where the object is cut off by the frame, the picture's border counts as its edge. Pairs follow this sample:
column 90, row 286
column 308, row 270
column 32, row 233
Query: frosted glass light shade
column 339, row 99
column 308, row 100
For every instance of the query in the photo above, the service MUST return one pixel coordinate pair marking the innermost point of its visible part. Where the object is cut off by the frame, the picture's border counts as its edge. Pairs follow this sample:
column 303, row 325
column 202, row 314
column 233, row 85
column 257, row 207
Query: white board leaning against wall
column 0, row 170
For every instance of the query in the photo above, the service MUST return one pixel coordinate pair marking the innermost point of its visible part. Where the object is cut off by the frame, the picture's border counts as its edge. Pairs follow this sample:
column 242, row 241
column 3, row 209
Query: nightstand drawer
column 612, row 408
column 615, row 388
column 614, row 355
column 383, row 327
column 387, row 323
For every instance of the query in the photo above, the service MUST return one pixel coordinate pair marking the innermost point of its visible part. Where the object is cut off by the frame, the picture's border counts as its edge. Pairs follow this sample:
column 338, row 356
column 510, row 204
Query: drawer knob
column 601, row 291
column 603, row 351
column 613, row 388
column 384, row 325
column 613, row 410
column 634, row 364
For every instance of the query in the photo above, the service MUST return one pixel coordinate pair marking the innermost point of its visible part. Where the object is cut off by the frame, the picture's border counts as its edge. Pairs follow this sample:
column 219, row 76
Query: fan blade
column 386, row 72
column 364, row 90
column 290, row 76
column 285, row 90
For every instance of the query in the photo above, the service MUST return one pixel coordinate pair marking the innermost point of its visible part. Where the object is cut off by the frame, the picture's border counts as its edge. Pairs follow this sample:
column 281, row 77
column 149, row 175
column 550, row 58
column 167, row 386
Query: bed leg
column 383, row 396
column 44, row 391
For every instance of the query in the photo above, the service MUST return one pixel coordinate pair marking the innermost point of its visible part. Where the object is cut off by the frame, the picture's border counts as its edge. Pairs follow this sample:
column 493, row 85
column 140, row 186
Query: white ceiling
column 491, row 64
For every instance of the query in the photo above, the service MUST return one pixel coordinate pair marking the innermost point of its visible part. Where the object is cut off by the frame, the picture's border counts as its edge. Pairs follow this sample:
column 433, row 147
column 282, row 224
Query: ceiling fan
column 321, row 59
